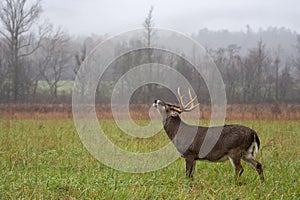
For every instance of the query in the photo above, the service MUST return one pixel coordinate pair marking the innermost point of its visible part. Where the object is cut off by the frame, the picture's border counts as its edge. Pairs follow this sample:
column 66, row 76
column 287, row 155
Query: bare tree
column 276, row 65
column 285, row 82
column 256, row 67
column 17, row 18
column 229, row 63
column 148, row 25
column 54, row 58
column 297, row 61
column 3, row 72
column 149, row 34
column 80, row 57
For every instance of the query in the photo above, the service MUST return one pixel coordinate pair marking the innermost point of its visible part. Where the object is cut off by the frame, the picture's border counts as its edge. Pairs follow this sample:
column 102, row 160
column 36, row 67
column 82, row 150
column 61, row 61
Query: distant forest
column 257, row 67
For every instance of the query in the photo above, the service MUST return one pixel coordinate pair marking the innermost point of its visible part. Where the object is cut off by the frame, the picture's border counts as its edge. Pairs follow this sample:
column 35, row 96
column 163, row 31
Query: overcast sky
column 85, row 17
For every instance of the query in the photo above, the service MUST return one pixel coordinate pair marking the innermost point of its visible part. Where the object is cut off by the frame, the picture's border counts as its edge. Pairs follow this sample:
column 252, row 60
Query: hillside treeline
column 38, row 60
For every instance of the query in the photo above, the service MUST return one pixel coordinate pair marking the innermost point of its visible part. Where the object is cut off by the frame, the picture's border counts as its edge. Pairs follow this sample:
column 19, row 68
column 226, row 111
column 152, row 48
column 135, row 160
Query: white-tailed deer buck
column 235, row 143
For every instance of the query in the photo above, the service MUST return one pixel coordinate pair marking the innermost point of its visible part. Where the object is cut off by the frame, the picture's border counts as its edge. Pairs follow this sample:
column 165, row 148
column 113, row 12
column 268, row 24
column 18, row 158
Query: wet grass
column 45, row 159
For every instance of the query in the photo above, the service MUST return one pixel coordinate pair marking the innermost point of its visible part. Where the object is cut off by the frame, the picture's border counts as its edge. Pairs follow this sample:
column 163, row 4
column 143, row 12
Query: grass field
column 45, row 159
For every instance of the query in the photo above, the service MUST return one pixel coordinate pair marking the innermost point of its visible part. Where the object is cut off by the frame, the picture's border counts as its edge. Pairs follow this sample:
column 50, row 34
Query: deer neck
column 171, row 125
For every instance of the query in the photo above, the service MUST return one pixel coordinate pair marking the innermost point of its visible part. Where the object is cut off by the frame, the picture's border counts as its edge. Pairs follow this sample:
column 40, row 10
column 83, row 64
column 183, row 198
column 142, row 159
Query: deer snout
column 155, row 104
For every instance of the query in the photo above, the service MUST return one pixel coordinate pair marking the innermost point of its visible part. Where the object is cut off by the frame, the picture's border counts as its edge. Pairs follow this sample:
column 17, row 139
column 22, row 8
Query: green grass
column 45, row 159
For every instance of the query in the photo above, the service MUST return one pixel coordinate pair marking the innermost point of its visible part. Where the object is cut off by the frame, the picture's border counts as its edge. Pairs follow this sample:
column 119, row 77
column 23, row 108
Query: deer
column 235, row 143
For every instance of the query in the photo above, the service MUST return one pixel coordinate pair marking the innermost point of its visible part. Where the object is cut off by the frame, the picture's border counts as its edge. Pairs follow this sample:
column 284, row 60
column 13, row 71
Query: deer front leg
column 236, row 164
column 190, row 164
column 193, row 168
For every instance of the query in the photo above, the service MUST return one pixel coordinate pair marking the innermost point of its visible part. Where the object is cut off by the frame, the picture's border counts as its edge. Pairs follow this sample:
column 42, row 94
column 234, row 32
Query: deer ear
column 174, row 113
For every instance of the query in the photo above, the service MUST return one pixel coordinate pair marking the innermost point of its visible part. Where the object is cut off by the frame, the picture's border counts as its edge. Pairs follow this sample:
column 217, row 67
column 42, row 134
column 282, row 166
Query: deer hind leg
column 236, row 163
column 257, row 165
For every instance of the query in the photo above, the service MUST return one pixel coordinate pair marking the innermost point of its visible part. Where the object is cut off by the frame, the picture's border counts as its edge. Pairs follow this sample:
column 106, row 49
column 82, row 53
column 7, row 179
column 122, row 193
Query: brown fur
column 234, row 143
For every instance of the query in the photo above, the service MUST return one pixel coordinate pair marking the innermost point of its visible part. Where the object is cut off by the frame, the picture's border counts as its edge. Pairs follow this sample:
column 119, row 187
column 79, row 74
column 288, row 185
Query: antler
column 190, row 105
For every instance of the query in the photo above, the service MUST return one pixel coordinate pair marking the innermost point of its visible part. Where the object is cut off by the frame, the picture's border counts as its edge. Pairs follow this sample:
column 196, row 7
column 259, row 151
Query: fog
column 255, row 45
column 84, row 17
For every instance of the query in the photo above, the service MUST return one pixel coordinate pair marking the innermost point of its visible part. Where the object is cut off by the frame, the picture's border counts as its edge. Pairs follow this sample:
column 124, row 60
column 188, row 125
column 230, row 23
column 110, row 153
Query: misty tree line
column 257, row 77
column 31, row 54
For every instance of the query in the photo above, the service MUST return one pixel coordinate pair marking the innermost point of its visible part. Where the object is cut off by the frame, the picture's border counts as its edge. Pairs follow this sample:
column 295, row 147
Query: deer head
column 173, row 110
